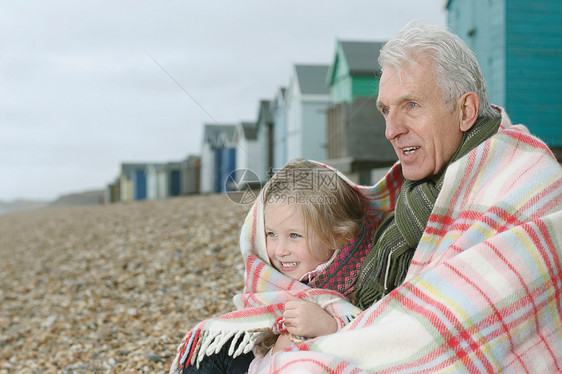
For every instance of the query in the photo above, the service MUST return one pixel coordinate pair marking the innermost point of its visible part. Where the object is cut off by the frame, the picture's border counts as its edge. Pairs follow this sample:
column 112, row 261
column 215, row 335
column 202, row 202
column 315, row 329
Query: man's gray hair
column 455, row 66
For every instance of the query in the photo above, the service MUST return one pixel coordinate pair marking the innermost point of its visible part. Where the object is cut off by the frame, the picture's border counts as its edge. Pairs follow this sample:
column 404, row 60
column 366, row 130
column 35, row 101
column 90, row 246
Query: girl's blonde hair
column 332, row 209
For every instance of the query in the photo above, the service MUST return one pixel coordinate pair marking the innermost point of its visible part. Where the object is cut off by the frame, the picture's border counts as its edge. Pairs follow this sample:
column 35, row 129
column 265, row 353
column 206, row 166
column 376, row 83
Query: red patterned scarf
column 341, row 274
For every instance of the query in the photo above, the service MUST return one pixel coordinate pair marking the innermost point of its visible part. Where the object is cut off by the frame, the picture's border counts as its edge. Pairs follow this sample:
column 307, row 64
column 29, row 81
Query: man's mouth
column 409, row 150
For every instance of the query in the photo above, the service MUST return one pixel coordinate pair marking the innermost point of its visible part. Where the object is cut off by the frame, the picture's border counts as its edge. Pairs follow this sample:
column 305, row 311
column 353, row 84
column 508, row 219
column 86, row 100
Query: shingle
column 312, row 79
column 249, row 129
column 212, row 133
column 362, row 57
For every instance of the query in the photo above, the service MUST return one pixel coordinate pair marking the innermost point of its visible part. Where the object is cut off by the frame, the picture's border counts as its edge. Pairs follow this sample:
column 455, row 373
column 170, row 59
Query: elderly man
column 465, row 272
column 465, row 269
column 433, row 97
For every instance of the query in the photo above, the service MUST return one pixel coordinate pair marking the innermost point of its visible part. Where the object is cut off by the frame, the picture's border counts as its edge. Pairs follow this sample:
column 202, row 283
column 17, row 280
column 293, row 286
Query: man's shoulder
column 519, row 138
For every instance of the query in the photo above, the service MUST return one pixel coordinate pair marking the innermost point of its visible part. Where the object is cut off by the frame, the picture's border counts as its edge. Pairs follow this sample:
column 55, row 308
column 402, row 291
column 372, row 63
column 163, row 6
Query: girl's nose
column 282, row 248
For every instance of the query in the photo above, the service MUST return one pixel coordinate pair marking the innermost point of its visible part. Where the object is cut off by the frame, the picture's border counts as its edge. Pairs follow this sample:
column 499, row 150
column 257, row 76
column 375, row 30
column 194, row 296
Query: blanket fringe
column 211, row 342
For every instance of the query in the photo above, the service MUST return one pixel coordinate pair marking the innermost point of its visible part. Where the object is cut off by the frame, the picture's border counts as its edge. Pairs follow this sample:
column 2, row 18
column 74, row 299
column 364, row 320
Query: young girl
column 304, row 241
column 309, row 214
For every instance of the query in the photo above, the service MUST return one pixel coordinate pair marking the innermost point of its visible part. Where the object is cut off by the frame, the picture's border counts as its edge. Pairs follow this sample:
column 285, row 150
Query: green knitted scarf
column 396, row 239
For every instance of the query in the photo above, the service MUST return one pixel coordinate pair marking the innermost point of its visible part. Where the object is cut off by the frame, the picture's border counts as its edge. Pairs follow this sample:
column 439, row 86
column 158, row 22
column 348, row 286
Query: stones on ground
column 114, row 288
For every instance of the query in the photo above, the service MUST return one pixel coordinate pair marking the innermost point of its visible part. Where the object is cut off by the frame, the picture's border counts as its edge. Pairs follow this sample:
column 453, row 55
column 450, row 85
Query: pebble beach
column 114, row 288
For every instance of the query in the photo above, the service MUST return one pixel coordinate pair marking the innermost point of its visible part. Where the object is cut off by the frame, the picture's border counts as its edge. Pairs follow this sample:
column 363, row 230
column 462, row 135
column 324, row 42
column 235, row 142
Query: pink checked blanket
column 261, row 306
column 483, row 291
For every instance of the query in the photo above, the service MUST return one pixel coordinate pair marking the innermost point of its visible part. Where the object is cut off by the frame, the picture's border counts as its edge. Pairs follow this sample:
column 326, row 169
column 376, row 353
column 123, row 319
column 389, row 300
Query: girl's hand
column 282, row 341
column 308, row 319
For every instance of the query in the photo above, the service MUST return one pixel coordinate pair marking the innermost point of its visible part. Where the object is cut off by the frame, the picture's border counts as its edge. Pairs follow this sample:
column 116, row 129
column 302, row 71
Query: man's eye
column 412, row 104
column 385, row 111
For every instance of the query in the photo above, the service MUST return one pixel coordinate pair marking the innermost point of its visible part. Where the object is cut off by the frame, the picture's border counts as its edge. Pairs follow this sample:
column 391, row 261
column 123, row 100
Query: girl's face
column 287, row 244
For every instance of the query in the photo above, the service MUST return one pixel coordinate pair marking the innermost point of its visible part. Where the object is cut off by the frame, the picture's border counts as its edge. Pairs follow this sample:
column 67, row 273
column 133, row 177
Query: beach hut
column 306, row 100
column 191, row 175
column 133, row 182
column 279, row 116
column 356, row 143
column 218, row 156
column 354, row 71
column 247, row 147
column 173, row 178
column 225, row 156
column 519, row 49
column 210, row 135
column 156, row 179
column 264, row 129
column 112, row 192
column 150, row 180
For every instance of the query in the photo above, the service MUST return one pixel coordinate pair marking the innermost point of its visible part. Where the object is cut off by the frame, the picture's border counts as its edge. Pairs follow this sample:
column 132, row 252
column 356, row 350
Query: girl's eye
column 270, row 234
column 294, row 236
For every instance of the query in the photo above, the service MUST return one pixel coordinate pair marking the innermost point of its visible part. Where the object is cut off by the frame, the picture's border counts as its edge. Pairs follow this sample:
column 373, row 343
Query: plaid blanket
column 483, row 291
column 260, row 308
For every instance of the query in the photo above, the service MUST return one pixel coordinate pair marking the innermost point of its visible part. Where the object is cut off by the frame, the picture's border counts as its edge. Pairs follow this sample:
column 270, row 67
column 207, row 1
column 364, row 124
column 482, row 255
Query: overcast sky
column 80, row 91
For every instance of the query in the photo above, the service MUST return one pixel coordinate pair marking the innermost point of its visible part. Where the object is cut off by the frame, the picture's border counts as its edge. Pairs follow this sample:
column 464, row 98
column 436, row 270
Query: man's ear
column 469, row 105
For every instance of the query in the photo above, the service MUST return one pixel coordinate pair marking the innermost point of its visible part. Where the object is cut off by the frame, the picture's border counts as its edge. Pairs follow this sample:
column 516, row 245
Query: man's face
column 424, row 135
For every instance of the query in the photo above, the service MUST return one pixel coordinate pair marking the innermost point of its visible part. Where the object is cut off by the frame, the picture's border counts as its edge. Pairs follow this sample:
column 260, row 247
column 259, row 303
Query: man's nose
column 394, row 125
